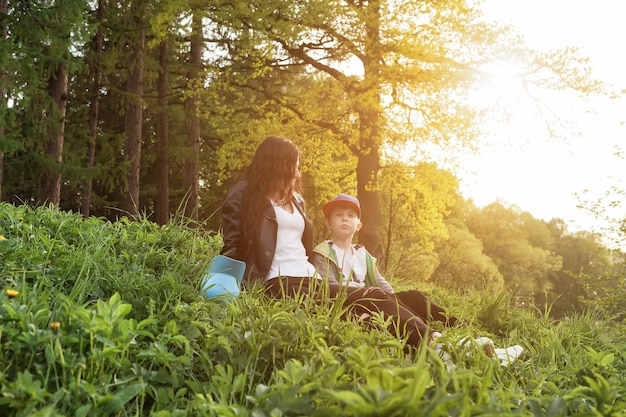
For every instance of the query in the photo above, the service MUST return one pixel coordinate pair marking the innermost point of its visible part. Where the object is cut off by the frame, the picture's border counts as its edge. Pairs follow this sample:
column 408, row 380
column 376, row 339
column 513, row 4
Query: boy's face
column 343, row 222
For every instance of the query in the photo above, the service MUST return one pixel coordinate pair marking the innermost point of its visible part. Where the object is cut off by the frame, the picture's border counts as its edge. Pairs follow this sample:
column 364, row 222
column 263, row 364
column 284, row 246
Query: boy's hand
column 434, row 335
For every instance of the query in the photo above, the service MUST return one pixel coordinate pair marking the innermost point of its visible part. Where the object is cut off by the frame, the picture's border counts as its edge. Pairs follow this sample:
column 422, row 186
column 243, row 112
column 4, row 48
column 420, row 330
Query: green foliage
column 348, row 81
column 357, row 78
column 515, row 244
column 586, row 276
column 415, row 201
column 41, row 37
column 60, row 253
column 462, row 263
column 114, row 325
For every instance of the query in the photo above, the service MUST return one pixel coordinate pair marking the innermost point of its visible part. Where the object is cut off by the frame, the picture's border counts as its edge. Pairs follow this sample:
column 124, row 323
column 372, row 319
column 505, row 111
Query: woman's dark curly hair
column 271, row 173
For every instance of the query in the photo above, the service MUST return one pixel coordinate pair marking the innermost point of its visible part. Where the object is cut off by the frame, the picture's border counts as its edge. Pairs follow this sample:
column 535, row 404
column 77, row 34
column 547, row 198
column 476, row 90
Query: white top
column 290, row 256
column 352, row 267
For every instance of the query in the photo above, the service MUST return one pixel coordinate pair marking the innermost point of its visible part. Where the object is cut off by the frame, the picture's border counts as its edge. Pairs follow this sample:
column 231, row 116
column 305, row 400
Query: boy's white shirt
column 352, row 264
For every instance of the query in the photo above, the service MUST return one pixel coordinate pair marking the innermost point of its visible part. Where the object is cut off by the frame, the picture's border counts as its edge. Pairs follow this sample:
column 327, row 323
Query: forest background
column 122, row 108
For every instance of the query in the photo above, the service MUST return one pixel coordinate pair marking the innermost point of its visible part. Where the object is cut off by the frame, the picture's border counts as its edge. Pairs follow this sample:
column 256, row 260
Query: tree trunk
column 370, row 140
column 163, row 188
column 192, row 143
column 133, row 122
column 4, row 9
column 96, row 71
column 50, row 181
column 369, row 197
column 1, row 164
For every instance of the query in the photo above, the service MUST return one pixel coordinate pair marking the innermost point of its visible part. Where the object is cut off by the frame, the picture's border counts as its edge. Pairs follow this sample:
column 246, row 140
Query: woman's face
column 296, row 175
column 290, row 186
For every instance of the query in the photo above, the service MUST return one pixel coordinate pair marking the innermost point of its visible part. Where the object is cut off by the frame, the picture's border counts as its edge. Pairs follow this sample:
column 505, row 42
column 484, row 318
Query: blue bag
column 223, row 278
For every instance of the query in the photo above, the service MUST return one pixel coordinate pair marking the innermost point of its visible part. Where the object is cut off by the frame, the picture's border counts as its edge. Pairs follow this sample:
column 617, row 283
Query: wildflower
column 21, row 219
column 12, row 293
column 2, row 237
column 55, row 326
column 48, row 261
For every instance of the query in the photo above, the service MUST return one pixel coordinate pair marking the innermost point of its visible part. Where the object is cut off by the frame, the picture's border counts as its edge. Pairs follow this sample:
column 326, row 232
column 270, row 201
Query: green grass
column 135, row 338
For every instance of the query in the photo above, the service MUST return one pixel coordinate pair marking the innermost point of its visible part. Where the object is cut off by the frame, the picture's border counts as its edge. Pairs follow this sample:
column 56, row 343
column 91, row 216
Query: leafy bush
column 101, row 318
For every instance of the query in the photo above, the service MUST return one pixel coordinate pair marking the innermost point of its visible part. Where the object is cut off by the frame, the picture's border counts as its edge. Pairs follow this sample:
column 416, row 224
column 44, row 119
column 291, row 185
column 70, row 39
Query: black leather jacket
column 257, row 255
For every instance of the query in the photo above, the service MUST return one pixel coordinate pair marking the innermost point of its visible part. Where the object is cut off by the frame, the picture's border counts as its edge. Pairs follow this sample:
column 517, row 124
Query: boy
column 352, row 265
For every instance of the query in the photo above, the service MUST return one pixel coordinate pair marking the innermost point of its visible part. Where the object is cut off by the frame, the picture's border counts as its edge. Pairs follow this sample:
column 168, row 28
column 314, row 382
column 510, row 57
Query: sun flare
column 501, row 83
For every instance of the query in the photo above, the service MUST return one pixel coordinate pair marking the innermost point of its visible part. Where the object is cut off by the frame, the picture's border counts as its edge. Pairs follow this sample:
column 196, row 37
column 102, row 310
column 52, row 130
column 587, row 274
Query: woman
column 263, row 218
column 265, row 225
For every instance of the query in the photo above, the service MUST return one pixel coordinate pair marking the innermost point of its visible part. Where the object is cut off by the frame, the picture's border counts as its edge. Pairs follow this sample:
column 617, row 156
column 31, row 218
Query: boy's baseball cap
column 342, row 200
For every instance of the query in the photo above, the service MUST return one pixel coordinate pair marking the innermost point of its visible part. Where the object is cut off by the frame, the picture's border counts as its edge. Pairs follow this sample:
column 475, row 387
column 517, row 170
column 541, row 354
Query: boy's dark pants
column 359, row 300
column 424, row 307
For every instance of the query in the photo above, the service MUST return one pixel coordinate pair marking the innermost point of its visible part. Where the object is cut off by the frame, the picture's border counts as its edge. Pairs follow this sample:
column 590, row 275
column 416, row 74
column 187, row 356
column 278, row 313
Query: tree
column 50, row 181
column 192, row 143
column 585, row 275
column 4, row 30
column 110, row 82
column 612, row 291
column 133, row 116
column 346, row 80
column 38, row 62
column 415, row 201
column 462, row 262
column 505, row 237
column 609, row 290
column 162, row 206
column 401, row 69
column 94, row 60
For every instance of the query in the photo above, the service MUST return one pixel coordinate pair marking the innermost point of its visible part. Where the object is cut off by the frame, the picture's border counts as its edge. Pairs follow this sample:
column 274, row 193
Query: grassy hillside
column 101, row 318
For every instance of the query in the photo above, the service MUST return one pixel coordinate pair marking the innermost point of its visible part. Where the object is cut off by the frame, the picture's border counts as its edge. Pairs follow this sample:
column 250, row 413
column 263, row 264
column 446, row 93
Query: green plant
column 114, row 324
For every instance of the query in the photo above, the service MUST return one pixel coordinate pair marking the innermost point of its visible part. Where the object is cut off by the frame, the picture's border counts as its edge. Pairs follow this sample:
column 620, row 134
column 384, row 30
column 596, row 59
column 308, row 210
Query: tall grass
column 100, row 318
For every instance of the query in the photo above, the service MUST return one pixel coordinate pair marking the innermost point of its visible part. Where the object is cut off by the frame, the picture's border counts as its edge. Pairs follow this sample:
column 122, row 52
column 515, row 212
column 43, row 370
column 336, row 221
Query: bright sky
column 522, row 165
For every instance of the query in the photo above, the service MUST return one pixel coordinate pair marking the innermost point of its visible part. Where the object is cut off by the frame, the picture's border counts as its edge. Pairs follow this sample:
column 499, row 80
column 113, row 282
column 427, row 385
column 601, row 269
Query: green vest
column 325, row 248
